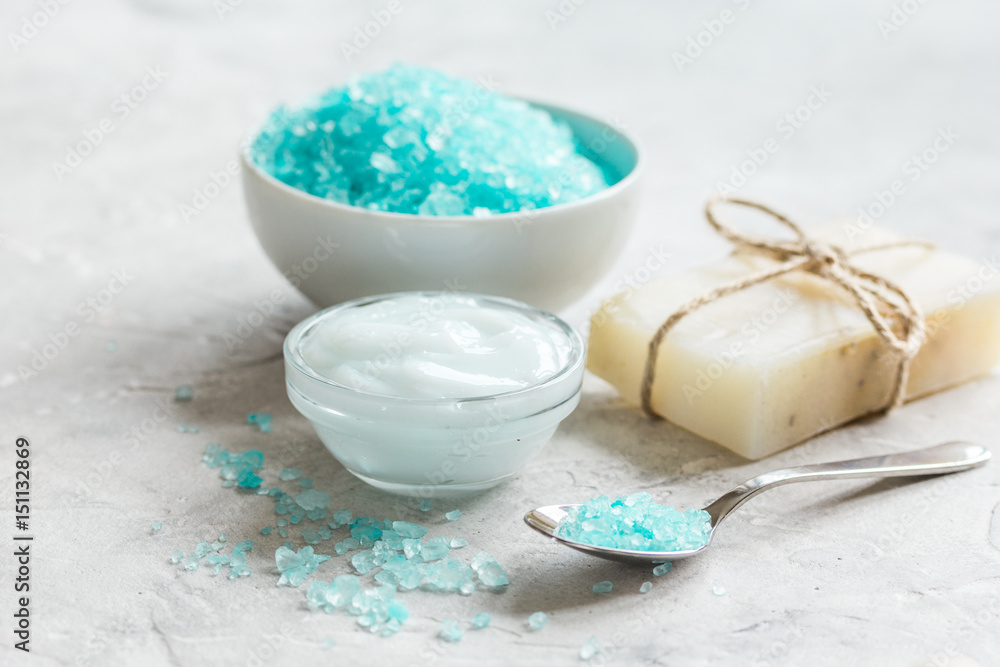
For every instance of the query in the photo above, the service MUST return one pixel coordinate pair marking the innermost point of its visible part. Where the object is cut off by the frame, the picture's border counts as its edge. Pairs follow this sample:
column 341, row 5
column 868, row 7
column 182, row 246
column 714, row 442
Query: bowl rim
column 625, row 182
column 575, row 362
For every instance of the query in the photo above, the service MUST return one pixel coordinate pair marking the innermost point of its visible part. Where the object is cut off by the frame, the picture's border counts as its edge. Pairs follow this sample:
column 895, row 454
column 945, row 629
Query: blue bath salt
column 407, row 529
column 450, row 631
column 248, row 479
column 392, row 552
column 312, row 499
column 453, row 515
column 376, row 609
column 646, row 587
column 537, row 620
column 414, row 140
column 603, row 587
column 491, row 574
column 288, row 474
column 637, row 523
column 183, row 393
column 435, row 549
column 481, row 620
column 590, row 648
column 426, row 504
column 261, row 419
column 662, row 569
column 296, row 566
column 157, row 526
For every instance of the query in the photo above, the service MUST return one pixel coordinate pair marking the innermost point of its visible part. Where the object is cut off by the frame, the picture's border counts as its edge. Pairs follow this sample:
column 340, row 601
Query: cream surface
column 449, row 346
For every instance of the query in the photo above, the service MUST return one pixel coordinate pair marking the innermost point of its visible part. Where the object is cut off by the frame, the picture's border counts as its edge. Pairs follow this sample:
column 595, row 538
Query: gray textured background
column 848, row 573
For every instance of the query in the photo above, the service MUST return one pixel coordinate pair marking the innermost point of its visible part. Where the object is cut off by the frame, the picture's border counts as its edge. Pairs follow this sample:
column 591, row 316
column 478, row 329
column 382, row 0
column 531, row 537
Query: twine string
column 896, row 318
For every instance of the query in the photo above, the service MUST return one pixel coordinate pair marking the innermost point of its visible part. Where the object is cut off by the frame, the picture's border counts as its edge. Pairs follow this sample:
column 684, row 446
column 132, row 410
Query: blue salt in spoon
column 947, row 458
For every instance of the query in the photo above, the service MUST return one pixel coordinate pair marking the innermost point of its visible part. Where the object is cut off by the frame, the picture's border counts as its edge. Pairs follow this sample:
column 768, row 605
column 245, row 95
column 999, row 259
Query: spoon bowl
column 546, row 521
column 940, row 459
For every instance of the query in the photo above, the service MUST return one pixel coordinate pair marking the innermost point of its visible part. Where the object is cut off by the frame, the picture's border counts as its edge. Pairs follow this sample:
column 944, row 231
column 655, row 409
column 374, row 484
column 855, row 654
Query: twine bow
column 897, row 320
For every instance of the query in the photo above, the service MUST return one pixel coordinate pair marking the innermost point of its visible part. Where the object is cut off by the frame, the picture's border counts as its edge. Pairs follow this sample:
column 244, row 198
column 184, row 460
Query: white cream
column 435, row 346
column 431, row 393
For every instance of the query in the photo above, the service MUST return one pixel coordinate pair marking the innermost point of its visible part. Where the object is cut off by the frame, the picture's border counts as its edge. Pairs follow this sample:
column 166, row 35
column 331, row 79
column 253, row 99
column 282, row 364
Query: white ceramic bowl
column 433, row 447
column 549, row 257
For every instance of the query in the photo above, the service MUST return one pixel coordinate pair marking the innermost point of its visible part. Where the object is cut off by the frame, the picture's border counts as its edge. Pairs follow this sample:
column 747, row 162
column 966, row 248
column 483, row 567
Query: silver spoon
column 946, row 458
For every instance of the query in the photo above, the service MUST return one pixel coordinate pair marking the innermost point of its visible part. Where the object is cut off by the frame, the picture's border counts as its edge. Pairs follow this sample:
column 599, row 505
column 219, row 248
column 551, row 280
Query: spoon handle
column 940, row 459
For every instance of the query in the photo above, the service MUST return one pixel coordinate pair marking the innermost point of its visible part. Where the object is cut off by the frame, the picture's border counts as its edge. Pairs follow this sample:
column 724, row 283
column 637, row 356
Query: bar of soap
column 766, row 368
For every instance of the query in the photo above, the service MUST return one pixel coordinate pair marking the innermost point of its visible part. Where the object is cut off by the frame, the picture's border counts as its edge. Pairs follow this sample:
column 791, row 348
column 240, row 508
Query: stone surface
column 887, row 573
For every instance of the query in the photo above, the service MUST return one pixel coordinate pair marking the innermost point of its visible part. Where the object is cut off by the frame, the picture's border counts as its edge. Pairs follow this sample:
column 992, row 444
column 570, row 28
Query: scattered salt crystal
column 662, row 569
column 392, row 540
column 411, row 548
column 450, row 632
column 157, row 526
column 177, row 556
column 537, row 620
column 248, row 479
column 489, row 571
column 392, row 550
column 183, row 393
column 590, row 648
column 288, row 474
column 718, row 590
column 646, row 587
column 262, row 421
column 603, row 587
column 481, row 620
column 312, row 499
column 296, row 566
column 454, row 515
column 407, row 529
column 426, row 504
column 435, row 549
column 376, row 609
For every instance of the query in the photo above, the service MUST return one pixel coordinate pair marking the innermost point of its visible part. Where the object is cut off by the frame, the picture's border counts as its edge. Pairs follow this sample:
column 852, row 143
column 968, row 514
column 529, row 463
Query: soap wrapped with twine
column 895, row 317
